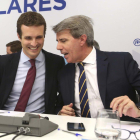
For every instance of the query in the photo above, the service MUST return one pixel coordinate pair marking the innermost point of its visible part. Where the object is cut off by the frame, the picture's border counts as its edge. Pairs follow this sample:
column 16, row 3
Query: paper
column 8, row 113
column 85, row 138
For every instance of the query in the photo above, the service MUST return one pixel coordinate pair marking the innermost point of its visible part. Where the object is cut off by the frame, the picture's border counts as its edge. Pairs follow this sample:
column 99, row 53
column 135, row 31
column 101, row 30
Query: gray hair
column 78, row 25
column 96, row 45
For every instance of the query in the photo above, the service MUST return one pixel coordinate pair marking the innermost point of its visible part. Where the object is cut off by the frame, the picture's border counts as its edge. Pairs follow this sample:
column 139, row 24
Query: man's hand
column 125, row 106
column 67, row 110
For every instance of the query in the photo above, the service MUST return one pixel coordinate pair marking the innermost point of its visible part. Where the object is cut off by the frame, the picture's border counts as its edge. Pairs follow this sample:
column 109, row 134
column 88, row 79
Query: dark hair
column 78, row 25
column 15, row 46
column 30, row 19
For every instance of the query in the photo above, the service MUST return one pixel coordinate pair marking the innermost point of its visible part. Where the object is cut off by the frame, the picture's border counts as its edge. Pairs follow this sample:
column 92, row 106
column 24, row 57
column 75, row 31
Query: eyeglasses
column 125, row 134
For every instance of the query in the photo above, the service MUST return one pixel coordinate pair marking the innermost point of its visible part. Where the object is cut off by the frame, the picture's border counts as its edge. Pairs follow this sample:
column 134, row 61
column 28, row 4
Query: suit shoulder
column 55, row 59
column 118, row 55
column 51, row 55
column 5, row 58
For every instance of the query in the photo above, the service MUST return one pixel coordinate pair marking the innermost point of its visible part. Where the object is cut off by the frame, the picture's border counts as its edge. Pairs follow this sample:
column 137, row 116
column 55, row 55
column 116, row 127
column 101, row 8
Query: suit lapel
column 11, row 68
column 70, row 79
column 48, row 78
column 102, row 65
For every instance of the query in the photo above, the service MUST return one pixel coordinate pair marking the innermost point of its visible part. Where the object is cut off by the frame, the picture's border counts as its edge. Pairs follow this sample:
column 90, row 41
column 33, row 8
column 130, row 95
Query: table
column 62, row 122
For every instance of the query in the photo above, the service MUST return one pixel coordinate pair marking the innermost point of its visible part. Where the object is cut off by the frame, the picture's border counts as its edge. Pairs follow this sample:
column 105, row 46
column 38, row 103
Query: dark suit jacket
column 117, row 75
column 8, row 70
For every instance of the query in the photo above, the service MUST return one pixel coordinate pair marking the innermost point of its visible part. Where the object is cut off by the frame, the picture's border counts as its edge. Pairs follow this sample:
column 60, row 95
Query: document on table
column 8, row 113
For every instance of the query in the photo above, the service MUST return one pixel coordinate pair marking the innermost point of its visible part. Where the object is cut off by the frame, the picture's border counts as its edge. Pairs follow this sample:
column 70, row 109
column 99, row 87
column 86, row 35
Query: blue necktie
column 84, row 101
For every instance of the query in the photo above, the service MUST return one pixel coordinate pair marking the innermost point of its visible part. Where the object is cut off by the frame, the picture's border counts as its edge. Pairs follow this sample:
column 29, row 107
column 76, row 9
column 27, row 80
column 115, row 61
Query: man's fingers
column 70, row 105
column 131, row 110
column 126, row 108
column 114, row 101
column 117, row 101
column 67, row 110
column 122, row 105
column 66, row 114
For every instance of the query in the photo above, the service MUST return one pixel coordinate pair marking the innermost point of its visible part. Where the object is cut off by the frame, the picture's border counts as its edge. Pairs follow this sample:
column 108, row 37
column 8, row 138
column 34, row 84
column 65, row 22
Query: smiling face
column 32, row 40
column 70, row 47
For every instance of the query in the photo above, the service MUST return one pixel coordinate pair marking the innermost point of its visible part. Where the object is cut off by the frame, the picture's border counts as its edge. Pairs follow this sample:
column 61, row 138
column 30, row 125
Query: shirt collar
column 91, row 58
column 24, row 58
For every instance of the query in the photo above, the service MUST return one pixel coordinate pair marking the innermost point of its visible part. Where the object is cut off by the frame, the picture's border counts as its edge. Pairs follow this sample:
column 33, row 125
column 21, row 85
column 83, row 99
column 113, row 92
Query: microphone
column 38, row 125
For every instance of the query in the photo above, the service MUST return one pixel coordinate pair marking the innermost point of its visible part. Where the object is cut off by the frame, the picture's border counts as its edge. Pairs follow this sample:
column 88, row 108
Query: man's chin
column 69, row 61
column 33, row 56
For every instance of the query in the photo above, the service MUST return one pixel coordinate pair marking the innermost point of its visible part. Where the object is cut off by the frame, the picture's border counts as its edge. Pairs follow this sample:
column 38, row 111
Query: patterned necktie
column 84, row 101
column 27, row 88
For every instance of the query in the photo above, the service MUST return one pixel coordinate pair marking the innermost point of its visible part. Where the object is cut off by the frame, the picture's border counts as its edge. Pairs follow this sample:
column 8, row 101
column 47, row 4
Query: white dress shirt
column 95, row 102
column 36, row 102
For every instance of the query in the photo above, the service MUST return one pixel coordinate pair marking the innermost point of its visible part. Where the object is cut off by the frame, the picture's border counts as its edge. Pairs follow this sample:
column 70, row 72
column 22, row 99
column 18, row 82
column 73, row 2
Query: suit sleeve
column 59, row 101
column 58, row 104
column 133, row 72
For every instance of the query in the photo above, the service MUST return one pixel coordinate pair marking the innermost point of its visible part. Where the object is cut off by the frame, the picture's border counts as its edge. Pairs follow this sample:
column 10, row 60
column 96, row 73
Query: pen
column 76, row 134
column 4, row 111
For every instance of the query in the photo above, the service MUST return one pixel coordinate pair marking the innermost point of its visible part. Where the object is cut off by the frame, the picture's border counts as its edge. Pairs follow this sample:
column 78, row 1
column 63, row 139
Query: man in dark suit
column 31, row 29
column 109, row 75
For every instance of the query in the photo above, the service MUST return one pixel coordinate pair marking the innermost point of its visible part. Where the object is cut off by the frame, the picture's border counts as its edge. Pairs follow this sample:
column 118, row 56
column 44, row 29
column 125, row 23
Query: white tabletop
column 62, row 122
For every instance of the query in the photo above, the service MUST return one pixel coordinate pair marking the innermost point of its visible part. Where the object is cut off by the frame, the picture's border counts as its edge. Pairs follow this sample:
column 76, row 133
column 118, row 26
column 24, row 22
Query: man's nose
column 34, row 42
column 59, row 46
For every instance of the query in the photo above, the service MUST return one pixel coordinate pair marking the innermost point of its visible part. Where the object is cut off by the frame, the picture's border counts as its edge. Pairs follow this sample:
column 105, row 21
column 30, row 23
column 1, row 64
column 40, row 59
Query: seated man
column 92, row 78
column 28, row 79
column 13, row 47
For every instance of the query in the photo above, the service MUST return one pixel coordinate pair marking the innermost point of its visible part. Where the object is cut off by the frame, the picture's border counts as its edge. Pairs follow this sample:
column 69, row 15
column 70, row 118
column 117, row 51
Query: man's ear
column 83, row 39
column 18, row 37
